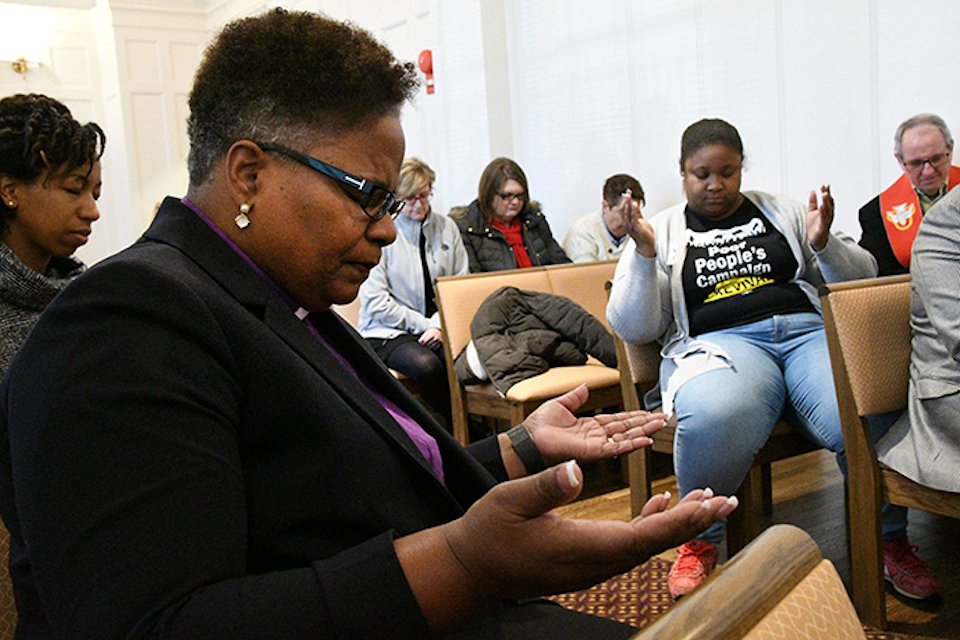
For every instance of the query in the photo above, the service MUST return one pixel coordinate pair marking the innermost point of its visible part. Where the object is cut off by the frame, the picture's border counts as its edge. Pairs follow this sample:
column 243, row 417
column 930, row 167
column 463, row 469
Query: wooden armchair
column 458, row 298
column 639, row 371
column 868, row 333
column 777, row 587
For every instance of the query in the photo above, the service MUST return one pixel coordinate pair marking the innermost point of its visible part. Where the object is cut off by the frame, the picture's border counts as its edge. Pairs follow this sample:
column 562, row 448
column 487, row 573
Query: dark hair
column 284, row 75
column 617, row 184
column 494, row 176
column 39, row 135
column 707, row 132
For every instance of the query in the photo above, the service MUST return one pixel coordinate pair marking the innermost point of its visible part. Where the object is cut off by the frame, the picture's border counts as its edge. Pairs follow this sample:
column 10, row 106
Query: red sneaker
column 909, row 575
column 695, row 562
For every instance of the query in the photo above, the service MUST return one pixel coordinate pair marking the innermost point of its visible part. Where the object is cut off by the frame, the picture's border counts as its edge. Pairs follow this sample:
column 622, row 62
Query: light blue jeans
column 780, row 367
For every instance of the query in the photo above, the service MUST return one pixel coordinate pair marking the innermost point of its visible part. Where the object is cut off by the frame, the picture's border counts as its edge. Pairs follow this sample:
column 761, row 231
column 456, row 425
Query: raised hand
column 819, row 218
column 638, row 227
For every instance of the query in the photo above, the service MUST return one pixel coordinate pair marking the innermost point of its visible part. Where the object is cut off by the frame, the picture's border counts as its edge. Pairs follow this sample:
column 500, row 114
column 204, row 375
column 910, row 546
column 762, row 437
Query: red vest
column 901, row 214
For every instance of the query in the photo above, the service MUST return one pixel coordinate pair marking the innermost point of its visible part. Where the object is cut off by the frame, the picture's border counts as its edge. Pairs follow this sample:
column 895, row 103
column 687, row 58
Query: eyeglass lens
column 422, row 197
column 510, row 197
column 934, row 161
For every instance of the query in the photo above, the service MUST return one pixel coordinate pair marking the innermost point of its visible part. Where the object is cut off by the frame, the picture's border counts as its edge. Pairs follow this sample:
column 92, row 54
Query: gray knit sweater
column 24, row 293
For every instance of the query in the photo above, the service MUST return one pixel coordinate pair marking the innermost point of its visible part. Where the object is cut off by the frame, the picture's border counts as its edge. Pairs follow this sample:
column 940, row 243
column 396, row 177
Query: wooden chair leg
column 638, row 464
column 461, row 423
column 742, row 522
column 866, row 562
column 517, row 413
column 766, row 480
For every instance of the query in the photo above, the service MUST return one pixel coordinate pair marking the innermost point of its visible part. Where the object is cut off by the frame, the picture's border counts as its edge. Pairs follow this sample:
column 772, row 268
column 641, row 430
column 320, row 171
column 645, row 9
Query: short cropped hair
column 707, row 132
column 284, row 75
column 617, row 184
column 916, row 121
column 494, row 176
column 39, row 136
column 415, row 176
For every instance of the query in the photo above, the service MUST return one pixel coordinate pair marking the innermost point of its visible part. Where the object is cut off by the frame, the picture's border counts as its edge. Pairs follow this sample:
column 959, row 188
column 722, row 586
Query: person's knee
column 433, row 367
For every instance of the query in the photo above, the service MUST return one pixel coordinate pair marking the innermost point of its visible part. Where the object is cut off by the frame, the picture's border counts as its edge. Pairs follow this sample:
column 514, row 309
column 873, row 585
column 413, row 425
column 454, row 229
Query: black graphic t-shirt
column 737, row 271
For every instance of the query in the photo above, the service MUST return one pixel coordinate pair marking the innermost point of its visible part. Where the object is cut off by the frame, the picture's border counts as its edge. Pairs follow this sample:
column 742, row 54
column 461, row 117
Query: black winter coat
column 520, row 334
column 488, row 250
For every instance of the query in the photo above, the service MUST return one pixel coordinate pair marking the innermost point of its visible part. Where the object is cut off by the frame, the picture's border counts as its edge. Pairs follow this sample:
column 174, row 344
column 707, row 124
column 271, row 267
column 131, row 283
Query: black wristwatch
column 526, row 449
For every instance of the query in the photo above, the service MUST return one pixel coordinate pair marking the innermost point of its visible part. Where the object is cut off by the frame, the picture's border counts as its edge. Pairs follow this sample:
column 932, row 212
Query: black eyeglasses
column 936, row 161
column 376, row 200
column 511, row 197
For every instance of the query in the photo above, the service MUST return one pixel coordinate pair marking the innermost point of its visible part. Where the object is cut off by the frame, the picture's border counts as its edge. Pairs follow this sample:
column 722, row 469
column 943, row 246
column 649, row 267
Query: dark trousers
column 424, row 365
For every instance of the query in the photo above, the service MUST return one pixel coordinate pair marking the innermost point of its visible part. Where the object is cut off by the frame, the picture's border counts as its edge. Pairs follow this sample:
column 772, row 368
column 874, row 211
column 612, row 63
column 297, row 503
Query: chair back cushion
column 349, row 312
column 459, row 297
column 583, row 282
column 872, row 324
column 643, row 363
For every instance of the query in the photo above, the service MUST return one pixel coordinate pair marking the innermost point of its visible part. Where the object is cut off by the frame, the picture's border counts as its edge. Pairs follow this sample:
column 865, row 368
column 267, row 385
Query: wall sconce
column 21, row 65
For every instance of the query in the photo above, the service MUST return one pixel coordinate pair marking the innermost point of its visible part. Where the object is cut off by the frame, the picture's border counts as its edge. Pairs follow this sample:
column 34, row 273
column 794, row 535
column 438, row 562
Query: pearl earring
column 242, row 220
column 11, row 204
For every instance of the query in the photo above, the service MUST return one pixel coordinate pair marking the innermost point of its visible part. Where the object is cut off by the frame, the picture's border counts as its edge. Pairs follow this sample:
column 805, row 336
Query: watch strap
column 526, row 449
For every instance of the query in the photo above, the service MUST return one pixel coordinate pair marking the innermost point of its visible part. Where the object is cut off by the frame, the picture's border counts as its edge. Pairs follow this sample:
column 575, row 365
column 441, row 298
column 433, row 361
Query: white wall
column 573, row 90
column 816, row 89
column 157, row 53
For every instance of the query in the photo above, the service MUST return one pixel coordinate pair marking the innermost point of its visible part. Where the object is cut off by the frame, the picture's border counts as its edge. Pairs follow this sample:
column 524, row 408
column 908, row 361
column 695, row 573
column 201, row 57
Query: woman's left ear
column 244, row 160
column 8, row 191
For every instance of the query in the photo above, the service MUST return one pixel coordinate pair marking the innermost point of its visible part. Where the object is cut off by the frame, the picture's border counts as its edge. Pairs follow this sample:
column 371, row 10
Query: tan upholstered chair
column 777, row 587
column 868, row 332
column 639, row 371
column 458, row 298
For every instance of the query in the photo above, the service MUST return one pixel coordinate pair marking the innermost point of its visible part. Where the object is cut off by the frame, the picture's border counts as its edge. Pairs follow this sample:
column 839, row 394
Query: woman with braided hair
column 49, row 185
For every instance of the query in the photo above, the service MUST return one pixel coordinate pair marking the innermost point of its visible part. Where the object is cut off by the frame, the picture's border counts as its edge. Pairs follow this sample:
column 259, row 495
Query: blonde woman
column 398, row 312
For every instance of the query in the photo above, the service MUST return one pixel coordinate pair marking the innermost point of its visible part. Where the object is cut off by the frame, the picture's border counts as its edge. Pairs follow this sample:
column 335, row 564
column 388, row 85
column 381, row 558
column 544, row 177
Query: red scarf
column 901, row 214
column 513, row 232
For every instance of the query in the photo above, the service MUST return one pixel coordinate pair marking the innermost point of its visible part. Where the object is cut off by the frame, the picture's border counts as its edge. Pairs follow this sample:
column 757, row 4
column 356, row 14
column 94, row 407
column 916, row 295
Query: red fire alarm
column 425, row 63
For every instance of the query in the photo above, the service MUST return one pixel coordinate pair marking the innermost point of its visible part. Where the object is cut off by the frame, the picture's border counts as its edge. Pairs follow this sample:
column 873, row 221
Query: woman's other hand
column 637, row 227
column 511, row 544
column 819, row 218
column 560, row 435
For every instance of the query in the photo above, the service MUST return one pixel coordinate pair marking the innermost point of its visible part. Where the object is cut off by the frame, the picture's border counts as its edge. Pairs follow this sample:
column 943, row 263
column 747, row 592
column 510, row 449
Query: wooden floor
column 808, row 492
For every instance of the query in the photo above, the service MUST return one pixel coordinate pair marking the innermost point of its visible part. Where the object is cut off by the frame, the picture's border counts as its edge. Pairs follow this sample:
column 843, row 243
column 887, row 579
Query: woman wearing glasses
column 727, row 283
column 398, row 311
column 503, row 228
column 219, row 455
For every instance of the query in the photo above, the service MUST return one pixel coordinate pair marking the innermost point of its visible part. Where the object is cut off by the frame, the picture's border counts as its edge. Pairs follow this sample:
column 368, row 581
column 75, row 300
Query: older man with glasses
column 924, row 147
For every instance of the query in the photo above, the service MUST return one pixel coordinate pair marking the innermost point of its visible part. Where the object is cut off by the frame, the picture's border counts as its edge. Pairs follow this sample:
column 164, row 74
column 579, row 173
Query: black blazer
column 181, row 457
